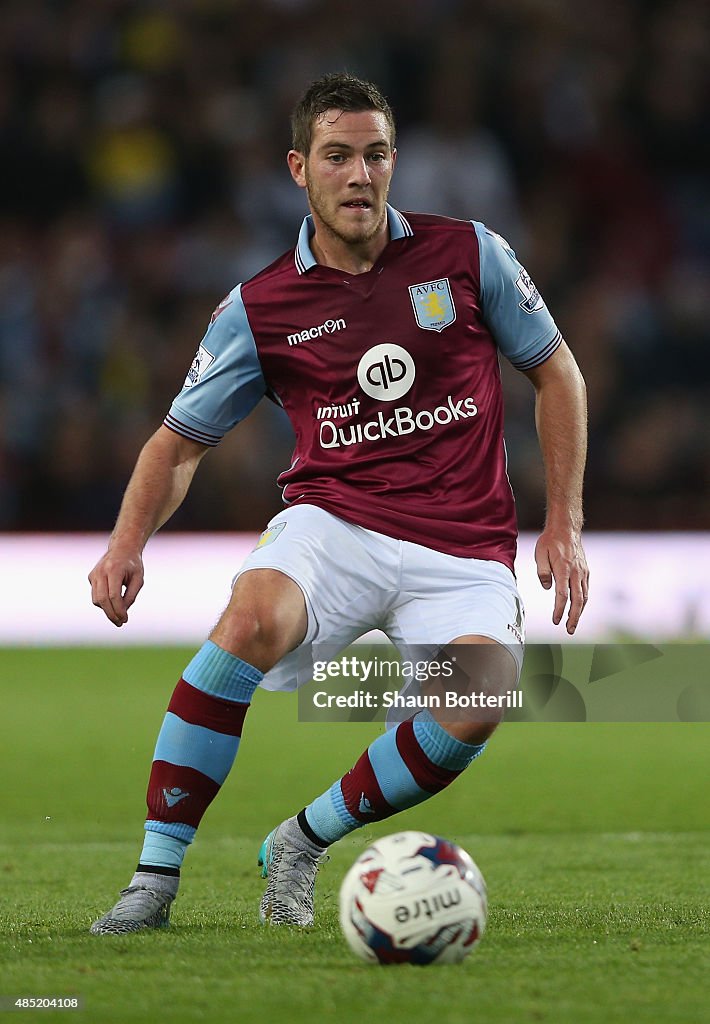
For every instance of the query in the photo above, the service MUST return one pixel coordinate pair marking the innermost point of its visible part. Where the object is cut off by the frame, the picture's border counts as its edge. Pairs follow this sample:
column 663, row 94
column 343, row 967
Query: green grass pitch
column 594, row 841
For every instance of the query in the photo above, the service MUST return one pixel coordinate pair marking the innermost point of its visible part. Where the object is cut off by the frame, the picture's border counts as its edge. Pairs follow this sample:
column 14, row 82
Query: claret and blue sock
column 199, row 740
column 196, row 748
column 400, row 769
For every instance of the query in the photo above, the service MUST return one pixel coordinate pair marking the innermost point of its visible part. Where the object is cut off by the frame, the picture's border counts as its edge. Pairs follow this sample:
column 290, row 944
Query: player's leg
column 352, row 580
column 422, row 755
column 485, row 672
column 417, row 758
column 200, row 735
column 401, row 768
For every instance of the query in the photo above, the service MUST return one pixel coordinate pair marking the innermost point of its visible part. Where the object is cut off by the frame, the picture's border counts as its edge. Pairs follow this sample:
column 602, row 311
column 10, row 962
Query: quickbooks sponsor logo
column 402, row 421
column 386, row 372
column 334, row 412
column 311, row 333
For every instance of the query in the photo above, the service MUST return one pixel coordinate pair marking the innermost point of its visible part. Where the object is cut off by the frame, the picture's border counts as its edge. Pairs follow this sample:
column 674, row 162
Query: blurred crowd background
column 143, row 175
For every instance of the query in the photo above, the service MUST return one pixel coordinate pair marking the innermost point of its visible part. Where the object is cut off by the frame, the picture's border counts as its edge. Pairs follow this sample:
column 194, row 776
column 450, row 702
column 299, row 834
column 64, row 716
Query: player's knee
column 265, row 618
column 247, row 629
column 256, row 634
column 252, row 627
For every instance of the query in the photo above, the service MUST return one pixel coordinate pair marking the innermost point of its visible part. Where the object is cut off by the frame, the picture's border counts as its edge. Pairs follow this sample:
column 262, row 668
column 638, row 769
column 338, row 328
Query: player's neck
column 330, row 250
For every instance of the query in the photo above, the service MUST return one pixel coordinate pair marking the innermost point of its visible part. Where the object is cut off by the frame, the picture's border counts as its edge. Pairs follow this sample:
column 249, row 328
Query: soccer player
column 379, row 334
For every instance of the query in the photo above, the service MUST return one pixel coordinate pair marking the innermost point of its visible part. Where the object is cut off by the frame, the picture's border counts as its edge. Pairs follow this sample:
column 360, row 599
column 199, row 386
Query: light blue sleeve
column 511, row 305
column 225, row 381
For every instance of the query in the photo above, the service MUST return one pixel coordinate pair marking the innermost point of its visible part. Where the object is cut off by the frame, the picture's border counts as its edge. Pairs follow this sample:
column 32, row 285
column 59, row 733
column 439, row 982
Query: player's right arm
column 157, row 487
column 223, row 385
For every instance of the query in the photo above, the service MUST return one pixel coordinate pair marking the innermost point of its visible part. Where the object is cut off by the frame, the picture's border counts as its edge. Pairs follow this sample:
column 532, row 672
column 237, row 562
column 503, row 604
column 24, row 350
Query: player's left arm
column 561, row 420
column 527, row 335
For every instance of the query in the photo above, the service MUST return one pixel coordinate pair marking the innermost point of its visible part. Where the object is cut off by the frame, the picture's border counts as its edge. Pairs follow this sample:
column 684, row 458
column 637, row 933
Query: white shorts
column 355, row 580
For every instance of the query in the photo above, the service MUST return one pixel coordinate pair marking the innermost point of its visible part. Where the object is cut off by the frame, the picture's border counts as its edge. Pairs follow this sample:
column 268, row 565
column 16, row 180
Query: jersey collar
column 398, row 225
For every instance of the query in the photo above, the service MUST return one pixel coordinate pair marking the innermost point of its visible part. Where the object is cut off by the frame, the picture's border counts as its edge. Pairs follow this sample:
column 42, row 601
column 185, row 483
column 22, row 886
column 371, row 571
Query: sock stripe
column 335, row 794
column 305, row 826
column 394, row 776
column 361, row 791
column 157, row 869
column 200, row 708
column 176, row 829
column 328, row 816
column 193, row 746
column 161, row 851
column 168, row 783
column 427, row 775
column 441, row 747
column 222, row 674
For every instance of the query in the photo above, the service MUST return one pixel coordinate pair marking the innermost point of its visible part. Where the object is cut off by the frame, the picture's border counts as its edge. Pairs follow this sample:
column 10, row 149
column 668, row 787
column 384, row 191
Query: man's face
column 347, row 173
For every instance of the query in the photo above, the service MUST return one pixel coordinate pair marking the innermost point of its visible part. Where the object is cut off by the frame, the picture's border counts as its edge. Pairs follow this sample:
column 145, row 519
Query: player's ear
column 297, row 166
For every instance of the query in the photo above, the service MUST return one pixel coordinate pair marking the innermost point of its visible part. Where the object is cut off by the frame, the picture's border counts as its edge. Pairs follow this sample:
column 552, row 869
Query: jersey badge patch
column 433, row 304
column 270, row 534
column 202, row 361
column 532, row 300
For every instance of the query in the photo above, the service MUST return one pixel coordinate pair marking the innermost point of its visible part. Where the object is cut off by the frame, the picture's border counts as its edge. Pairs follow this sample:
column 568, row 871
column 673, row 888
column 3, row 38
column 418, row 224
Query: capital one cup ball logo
column 386, row 372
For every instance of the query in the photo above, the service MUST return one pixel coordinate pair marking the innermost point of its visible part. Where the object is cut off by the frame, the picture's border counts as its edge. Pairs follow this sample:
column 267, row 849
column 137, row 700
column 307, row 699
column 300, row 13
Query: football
column 413, row 898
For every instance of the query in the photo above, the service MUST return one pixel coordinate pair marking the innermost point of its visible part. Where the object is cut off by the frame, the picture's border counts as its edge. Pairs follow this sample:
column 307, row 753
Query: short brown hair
column 339, row 91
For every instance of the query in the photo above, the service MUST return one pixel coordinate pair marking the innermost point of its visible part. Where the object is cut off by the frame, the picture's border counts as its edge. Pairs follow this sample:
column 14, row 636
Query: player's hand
column 560, row 558
column 115, row 582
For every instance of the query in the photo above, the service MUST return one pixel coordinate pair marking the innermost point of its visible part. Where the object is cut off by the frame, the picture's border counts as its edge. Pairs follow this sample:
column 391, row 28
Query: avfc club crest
column 433, row 304
column 270, row 534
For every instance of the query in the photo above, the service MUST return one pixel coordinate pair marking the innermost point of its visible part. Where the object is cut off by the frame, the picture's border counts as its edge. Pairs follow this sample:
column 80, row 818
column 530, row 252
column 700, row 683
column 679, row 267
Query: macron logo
column 174, row 796
column 311, row 333
column 365, row 805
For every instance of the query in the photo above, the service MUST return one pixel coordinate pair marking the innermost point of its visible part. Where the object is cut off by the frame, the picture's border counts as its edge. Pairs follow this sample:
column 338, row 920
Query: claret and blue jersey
column 390, row 379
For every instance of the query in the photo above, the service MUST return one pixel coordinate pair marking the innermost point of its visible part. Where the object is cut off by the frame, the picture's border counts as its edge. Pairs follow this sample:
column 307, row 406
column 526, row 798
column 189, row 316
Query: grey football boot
column 144, row 904
column 290, row 861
